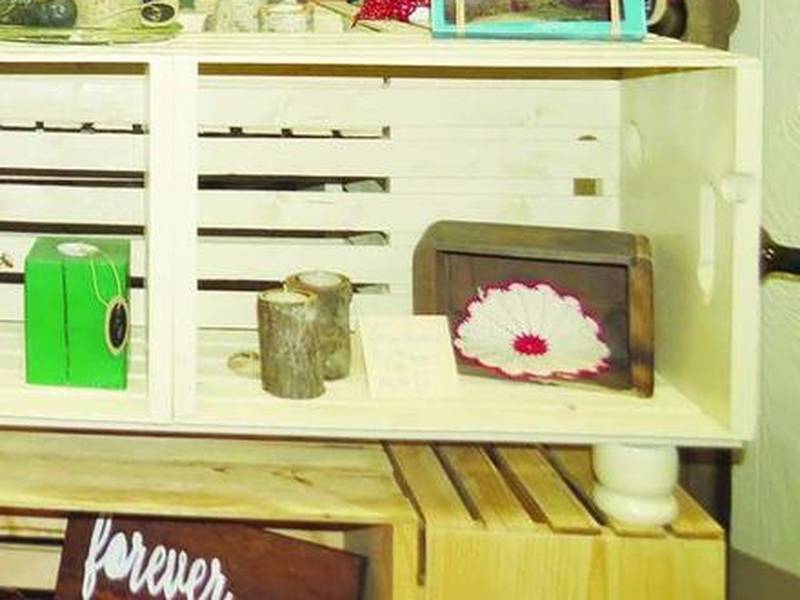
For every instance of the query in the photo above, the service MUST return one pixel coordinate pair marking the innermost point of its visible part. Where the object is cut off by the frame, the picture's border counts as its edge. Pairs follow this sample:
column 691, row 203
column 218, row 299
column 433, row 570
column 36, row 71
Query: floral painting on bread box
column 541, row 304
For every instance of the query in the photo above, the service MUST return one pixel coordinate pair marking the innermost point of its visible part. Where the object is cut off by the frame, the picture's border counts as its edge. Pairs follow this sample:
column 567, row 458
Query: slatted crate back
column 345, row 173
column 72, row 161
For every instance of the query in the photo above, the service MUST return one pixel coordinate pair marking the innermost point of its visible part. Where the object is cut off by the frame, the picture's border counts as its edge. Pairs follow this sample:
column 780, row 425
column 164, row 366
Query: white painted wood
column 698, row 312
column 82, row 98
column 49, row 150
column 237, row 310
column 60, row 405
column 161, row 189
column 396, row 212
column 517, row 412
column 508, row 150
column 58, row 204
column 272, row 262
column 387, row 50
column 284, row 156
column 184, row 231
column 400, row 102
column 29, row 566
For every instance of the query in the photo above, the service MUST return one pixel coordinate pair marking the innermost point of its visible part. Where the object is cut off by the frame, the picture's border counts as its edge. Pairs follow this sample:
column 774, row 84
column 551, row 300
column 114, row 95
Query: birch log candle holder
column 335, row 293
column 291, row 361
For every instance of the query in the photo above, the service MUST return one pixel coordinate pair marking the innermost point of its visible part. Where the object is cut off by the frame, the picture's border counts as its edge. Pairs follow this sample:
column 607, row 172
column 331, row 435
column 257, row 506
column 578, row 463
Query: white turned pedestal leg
column 635, row 484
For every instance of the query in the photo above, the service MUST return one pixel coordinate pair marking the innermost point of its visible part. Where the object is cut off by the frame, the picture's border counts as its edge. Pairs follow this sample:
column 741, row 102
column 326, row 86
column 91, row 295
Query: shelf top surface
column 388, row 50
column 258, row 480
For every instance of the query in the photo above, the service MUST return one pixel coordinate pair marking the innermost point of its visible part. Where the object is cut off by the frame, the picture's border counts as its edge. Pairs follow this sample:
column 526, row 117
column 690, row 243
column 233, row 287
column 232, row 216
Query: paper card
column 408, row 357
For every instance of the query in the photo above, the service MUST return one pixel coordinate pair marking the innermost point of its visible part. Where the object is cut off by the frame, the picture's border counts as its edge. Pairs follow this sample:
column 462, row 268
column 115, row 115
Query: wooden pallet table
column 437, row 522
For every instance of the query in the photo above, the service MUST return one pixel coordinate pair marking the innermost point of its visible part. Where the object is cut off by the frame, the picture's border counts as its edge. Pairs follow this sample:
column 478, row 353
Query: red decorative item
column 390, row 10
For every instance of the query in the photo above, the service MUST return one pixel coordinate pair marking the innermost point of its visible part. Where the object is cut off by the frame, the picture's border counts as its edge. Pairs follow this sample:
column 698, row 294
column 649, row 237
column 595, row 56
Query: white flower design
column 528, row 330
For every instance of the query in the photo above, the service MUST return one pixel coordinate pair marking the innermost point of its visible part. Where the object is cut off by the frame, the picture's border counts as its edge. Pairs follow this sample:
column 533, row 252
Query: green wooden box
column 77, row 320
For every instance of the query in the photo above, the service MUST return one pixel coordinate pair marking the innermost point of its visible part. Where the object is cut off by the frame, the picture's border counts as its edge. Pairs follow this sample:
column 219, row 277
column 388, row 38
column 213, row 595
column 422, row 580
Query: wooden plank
column 287, row 156
column 430, row 489
column 259, row 259
column 693, row 521
column 543, row 490
column 578, row 464
column 483, row 489
column 162, row 217
column 523, row 186
column 99, row 151
column 389, row 49
column 85, row 98
column 395, row 211
column 236, row 310
column 275, row 482
column 28, row 566
column 182, row 287
column 58, row 204
column 36, row 528
column 399, row 102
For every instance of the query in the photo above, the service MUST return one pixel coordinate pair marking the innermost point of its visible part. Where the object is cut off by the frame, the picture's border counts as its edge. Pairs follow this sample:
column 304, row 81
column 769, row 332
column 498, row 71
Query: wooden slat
column 82, row 99
column 254, row 259
column 428, row 483
column 693, row 521
column 36, row 528
column 236, row 310
column 99, row 151
column 29, row 566
column 277, row 482
column 287, row 156
column 483, row 488
column 578, row 463
column 387, row 50
column 540, row 486
column 59, row 204
column 347, row 102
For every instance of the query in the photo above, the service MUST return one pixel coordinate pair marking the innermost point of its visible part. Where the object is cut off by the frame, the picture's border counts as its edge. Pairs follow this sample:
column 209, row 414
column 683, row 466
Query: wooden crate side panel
column 691, row 225
column 664, row 569
column 471, row 565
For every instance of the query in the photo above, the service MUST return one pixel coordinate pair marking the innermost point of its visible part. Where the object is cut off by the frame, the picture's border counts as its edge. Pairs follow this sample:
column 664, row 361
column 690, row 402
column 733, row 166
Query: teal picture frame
column 633, row 27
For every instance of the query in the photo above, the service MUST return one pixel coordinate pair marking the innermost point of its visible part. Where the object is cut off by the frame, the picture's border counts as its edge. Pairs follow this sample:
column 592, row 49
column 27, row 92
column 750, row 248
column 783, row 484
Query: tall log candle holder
column 334, row 292
column 291, row 361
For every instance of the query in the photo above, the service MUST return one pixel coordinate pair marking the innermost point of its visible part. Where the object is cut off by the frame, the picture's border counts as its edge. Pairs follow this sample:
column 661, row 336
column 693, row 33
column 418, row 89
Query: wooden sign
column 106, row 558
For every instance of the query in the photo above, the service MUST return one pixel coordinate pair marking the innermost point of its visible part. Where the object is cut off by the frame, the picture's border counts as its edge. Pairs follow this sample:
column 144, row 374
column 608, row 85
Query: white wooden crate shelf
column 337, row 151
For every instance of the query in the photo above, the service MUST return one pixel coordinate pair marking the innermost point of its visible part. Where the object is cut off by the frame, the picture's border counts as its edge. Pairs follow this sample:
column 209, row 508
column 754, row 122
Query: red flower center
column 531, row 345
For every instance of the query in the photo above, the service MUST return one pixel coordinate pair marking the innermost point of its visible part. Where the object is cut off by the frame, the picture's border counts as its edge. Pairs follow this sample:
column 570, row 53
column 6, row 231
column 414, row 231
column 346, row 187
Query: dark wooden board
column 256, row 565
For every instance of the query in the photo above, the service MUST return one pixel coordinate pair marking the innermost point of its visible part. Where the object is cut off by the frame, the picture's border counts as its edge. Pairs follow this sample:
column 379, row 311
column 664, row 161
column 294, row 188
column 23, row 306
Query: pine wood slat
column 433, row 493
column 577, row 462
column 209, row 478
column 483, row 488
column 693, row 521
column 37, row 528
column 26, row 566
column 540, row 486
